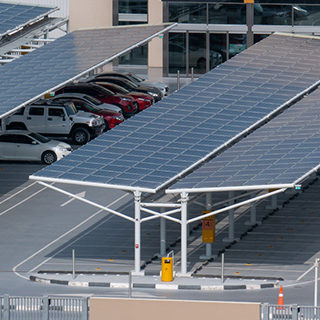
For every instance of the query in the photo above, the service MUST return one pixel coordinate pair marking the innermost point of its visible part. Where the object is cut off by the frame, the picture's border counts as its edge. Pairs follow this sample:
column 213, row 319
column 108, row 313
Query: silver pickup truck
column 56, row 120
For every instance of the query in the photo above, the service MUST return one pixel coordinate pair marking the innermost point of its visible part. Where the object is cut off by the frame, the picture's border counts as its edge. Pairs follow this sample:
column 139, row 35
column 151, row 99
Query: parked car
column 144, row 100
column 30, row 146
column 57, row 119
column 131, row 86
column 126, row 103
column 86, row 103
column 138, row 80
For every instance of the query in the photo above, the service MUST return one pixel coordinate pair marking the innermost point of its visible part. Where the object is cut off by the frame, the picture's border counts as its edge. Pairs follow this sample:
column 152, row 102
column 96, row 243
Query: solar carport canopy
column 283, row 152
column 14, row 16
column 157, row 146
column 70, row 57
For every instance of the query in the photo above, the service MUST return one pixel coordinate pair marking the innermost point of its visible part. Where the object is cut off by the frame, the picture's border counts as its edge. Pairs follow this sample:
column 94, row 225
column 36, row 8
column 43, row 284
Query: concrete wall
column 137, row 309
column 155, row 16
column 86, row 14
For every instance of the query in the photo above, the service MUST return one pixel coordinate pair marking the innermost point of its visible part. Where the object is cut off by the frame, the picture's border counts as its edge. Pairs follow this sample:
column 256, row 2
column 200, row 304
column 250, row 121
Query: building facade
column 208, row 32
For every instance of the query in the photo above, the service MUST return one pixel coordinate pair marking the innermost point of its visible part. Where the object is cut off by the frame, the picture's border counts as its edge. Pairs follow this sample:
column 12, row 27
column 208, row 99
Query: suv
column 89, row 104
column 126, row 103
column 57, row 119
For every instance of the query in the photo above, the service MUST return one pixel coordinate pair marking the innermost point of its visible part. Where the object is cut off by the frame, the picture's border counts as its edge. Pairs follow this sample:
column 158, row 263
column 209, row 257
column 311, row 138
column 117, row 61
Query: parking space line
column 22, row 201
column 13, row 195
column 60, row 237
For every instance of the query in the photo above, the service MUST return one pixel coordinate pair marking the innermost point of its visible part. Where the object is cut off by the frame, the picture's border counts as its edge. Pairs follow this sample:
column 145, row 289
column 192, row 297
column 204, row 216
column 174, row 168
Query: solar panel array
column 64, row 59
column 280, row 152
column 153, row 147
column 16, row 15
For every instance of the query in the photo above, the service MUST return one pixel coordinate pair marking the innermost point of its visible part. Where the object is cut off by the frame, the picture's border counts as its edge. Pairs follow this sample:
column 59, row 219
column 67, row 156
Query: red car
column 127, row 104
column 84, row 103
column 144, row 100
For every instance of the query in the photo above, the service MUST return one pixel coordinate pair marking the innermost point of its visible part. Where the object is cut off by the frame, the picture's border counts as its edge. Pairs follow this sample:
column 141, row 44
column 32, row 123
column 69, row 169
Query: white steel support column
column 208, row 208
column 163, row 243
column 184, row 236
column 253, row 215
column 231, row 220
column 137, row 233
column 208, row 254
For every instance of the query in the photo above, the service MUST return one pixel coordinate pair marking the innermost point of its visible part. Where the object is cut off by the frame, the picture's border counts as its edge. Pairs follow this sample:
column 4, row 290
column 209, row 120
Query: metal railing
column 289, row 312
column 43, row 308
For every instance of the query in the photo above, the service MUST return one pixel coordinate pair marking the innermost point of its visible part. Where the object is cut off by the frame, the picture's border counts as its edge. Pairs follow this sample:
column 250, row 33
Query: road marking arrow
column 81, row 195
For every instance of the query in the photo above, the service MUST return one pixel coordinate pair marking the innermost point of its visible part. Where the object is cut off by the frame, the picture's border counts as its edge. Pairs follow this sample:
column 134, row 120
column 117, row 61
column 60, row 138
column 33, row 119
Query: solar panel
column 279, row 153
column 13, row 16
column 64, row 59
column 189, row 129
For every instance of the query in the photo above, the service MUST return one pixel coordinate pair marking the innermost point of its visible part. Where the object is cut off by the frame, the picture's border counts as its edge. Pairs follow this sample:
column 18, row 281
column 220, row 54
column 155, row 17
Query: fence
column 43, row 308
column 289, row 312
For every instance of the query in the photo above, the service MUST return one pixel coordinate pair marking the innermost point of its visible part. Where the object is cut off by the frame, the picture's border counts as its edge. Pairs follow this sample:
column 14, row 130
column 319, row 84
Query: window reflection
column 188, row 12
column 133, row 6
column 306, row 15
column 227, row 13
column 177, row 52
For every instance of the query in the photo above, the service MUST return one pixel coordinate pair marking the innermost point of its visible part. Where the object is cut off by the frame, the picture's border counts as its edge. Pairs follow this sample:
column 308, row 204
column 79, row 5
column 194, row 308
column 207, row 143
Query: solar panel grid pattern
column 63, row 59
column 280, row 152
column 14, row 15
column 156, row 145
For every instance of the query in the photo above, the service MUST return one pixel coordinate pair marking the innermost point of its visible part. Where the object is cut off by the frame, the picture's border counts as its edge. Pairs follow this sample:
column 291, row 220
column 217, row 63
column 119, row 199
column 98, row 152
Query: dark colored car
column 131, row 86
column 144, row 100
column 128, row 105
column 137, row 80
column 88, row 104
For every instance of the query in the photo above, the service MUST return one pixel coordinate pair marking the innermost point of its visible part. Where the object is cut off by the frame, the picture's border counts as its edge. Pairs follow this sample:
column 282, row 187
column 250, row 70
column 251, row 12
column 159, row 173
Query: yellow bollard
column 166, row 269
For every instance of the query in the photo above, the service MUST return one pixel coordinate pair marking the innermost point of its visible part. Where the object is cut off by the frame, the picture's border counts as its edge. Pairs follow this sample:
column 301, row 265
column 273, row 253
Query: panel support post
column 208, row 254
column 184, row 203
column 137, row 233
column 253, row 215
column 231, row 220
column 316, row 267
column 163, row 242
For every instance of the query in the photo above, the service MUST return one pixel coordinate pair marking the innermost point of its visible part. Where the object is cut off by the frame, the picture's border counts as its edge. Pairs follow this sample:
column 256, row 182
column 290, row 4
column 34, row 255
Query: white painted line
column 13, row 195
column 22, row 201
column 119, row 285
column 78, row 284
column 80, row 194
column 253, row 286
column 163, row 286
column 57, row 239
column 211, row 288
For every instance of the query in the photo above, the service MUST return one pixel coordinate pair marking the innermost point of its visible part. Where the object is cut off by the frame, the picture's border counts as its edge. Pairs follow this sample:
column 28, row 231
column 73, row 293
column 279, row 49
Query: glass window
column 237, row 43
column 273, row 14
column 306, row 15
column 39, row 137
column 218, row 45
column 227, row 13
column 137, row 56
column 19, row 138
column 197, row 52
column 36, row 111
column 188, row 12
column 56, row 112
column 133, row 6
column 177, row 52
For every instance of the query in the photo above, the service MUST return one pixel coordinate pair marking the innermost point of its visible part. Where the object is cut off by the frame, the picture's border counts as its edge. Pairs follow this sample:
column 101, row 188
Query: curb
column 158, row 286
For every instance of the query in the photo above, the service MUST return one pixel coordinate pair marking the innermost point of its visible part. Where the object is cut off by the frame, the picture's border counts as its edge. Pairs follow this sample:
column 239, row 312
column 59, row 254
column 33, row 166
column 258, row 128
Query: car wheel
column 106, row 127
column 48, row 157
column 80, row 136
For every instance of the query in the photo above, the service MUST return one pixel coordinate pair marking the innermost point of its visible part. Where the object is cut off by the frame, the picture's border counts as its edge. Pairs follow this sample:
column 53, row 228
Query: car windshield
column 39, row 137
column 70, row 108
column 135, row 77
column 93, row 100
column 117, row 88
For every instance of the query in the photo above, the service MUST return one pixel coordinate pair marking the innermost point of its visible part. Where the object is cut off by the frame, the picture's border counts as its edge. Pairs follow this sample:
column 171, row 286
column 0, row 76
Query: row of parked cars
column 80, row 111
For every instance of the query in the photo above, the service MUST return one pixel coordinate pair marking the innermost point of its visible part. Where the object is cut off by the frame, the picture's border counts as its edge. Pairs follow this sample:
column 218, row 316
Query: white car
column 23, row 145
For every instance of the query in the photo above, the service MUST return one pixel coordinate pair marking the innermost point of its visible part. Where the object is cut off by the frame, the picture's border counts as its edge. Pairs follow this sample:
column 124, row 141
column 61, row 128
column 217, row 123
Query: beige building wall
column 138, row 309
column 155, row 16
column 87, row 14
